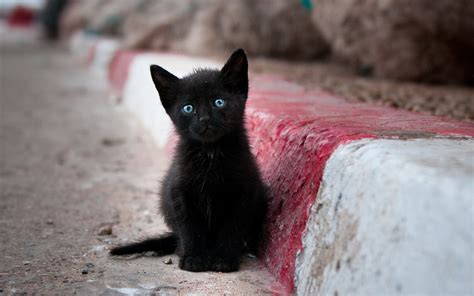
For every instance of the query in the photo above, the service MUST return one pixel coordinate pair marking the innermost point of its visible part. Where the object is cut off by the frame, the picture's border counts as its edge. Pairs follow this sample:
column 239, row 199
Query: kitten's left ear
column 235, row 73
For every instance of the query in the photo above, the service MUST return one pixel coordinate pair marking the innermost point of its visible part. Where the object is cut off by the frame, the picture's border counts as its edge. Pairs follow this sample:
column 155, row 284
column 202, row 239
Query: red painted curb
column 118, row 70
column 293, row 133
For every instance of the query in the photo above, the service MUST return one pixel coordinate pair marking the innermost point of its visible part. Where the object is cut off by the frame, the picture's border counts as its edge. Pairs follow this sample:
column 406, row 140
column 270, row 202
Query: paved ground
column 73, row 166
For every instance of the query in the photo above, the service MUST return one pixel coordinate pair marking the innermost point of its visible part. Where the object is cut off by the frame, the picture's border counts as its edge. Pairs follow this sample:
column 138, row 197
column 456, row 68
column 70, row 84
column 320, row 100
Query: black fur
column 213, row 198
column 163, row 245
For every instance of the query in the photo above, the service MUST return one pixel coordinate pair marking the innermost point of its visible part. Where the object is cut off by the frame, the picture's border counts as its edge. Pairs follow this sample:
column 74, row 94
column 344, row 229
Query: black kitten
column 213, row 198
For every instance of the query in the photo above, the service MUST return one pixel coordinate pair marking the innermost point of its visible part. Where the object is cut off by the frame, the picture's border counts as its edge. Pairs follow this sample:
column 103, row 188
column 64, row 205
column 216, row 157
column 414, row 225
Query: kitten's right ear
column 165, row 82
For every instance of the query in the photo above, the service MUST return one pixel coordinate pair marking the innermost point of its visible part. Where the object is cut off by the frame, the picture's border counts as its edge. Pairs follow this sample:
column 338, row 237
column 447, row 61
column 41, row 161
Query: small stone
column 112, row 141
column 26, row 262
column 65, row 281
column 50, row 222
column 366, row 70
column 106, row 230
column 90, row 265
column 168, row 261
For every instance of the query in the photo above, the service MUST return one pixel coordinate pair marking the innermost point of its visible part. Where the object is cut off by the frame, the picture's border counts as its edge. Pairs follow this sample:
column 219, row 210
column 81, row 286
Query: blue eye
column 188, row 109
column 219, row 103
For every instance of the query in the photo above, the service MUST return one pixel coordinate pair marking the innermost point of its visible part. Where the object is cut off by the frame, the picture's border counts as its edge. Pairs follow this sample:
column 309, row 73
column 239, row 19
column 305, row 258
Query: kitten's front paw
column 194, row 263
column 225, row 264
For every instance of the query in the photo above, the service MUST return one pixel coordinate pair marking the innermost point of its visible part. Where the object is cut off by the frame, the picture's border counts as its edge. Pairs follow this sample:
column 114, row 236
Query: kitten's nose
column 204, row 119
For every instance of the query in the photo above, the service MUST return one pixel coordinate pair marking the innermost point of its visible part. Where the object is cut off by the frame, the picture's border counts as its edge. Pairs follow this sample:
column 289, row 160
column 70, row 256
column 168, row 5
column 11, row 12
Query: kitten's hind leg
column 225, row 264
column 194, row 263
column 227, row 253
column 255, row 231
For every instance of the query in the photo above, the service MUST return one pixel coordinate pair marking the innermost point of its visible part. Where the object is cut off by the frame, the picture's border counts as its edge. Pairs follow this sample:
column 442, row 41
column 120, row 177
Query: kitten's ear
column 165, row 82
column 235, row 73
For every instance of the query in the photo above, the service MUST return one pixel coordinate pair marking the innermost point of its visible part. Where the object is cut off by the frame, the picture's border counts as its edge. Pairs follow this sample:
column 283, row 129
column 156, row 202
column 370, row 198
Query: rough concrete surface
column 77, row 175
column 406, row 232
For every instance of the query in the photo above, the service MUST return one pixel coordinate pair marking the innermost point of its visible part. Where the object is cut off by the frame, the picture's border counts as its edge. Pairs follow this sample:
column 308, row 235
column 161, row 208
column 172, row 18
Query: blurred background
column 411, row 54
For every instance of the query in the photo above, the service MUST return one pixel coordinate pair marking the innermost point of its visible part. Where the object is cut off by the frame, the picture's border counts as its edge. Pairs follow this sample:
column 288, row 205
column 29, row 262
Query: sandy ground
column 440, row 100
column 77, row 175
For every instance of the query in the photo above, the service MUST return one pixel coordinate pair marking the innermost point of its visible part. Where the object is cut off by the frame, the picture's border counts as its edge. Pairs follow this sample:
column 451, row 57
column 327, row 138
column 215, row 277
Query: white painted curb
column 104, row 49
column 104, row 52
column 81, row 43
column 392, row 217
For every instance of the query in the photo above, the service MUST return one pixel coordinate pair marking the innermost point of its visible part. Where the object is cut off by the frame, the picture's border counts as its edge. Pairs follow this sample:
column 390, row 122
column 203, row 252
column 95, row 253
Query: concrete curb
column 294, row 133
column 392, row 217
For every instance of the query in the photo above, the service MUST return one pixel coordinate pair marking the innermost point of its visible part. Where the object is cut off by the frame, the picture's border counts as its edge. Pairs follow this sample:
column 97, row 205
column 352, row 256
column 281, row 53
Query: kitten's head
column 207, row 104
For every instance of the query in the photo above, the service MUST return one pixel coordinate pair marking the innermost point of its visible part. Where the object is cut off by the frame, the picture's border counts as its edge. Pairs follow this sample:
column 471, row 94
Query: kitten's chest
column 213, row 184
column 210, row 173
column 209, row 168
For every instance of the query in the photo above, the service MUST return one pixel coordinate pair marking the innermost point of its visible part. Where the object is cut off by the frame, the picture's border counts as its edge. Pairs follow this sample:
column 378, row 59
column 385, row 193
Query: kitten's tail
column 163, row 245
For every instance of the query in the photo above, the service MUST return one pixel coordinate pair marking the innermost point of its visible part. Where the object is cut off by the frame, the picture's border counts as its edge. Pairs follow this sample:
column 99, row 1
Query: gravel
column 439, row 100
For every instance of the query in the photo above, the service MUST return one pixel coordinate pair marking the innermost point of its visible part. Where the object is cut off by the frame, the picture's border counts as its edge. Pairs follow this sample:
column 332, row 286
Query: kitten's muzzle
column 202, row 129
column 205, row 132
column 204, row 119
